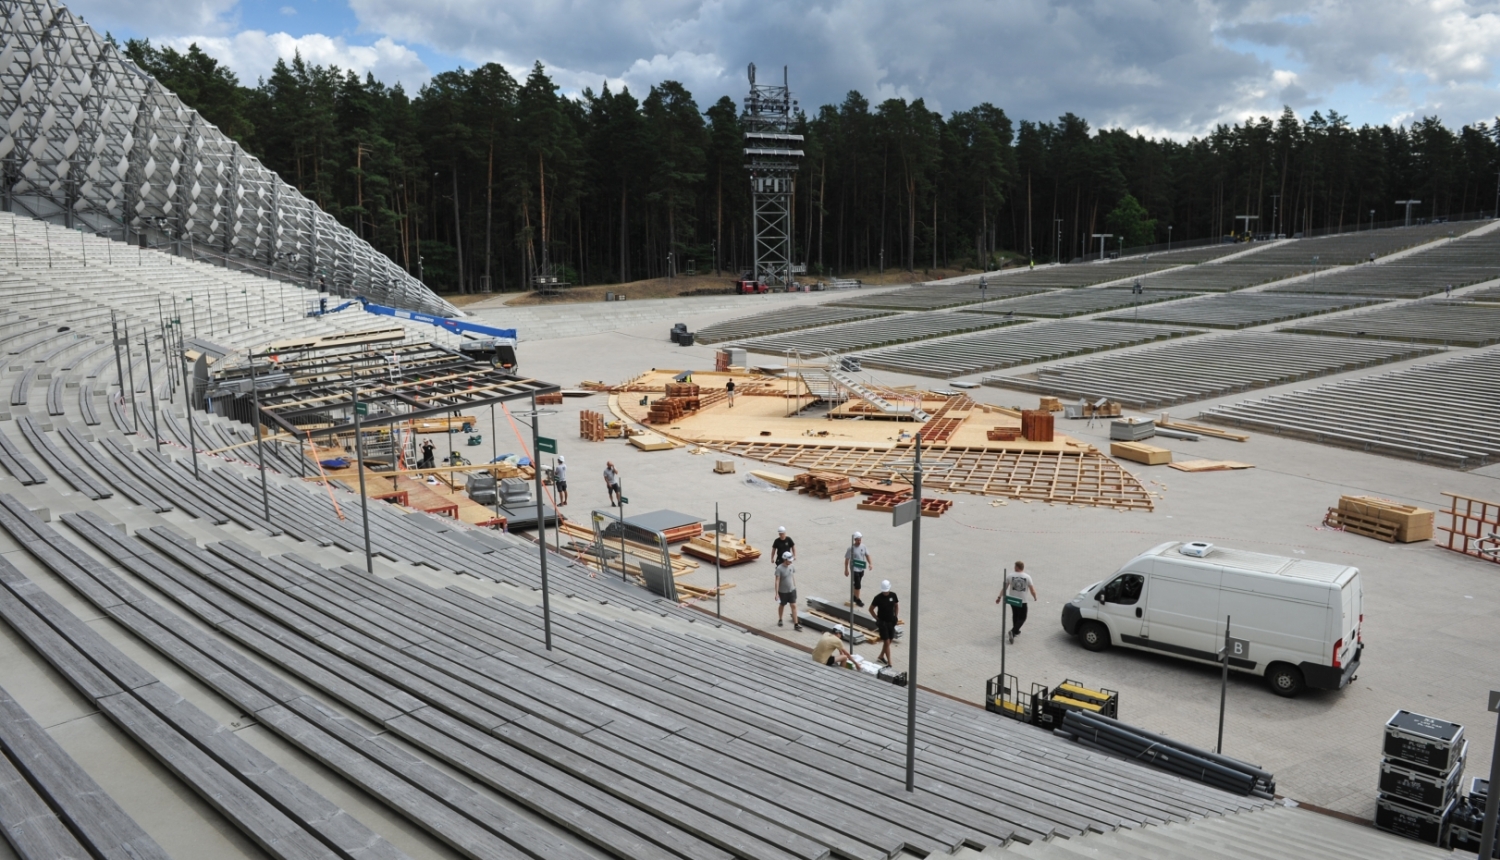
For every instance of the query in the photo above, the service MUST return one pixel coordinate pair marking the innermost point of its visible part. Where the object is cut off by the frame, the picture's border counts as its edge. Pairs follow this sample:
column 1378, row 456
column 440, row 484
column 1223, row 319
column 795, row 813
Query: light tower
column 772, row 153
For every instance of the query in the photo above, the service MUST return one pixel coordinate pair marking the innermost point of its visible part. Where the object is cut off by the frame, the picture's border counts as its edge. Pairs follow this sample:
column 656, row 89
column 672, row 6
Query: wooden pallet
column 591, row 426
column 1360, row 524
column 825, row 485
column 1472, row 526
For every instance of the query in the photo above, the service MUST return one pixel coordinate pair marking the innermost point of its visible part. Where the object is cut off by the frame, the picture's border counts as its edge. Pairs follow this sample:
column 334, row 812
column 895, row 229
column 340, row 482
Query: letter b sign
column 1237, row 648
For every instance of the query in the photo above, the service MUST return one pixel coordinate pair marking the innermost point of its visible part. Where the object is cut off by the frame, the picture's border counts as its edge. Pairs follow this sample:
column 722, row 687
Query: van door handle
column 1137, row 612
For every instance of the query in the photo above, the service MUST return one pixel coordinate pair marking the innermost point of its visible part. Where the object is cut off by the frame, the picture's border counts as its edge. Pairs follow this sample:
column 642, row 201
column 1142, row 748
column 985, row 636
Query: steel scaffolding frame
column 772, row 152
column 90, row 141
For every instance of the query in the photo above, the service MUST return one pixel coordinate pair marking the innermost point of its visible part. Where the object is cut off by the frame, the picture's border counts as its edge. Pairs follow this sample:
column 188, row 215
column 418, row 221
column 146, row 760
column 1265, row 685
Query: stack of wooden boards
column 731, row 550
column 553, row 399
column 1036, row 425
column 1140, row 452
column 1381, row 519
column 1002, row 434
column 1050, row 404
column 825, row 485
column 682, row 399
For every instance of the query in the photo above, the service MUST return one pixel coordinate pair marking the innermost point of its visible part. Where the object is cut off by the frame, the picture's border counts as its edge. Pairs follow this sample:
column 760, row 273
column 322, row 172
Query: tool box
column 1425, row 741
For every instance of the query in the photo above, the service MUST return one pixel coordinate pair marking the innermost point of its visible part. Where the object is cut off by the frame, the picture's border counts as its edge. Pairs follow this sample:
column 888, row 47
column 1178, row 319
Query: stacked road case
column 1420, row 775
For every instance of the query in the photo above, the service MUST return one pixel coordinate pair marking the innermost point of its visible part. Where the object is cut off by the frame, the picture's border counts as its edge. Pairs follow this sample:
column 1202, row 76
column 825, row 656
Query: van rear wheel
column 1285, row 679
column 1095, row 636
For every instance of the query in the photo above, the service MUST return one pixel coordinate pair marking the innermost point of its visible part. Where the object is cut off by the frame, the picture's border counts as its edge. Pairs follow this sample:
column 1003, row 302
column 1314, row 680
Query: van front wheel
column 1286, row 679
column 1095, row 636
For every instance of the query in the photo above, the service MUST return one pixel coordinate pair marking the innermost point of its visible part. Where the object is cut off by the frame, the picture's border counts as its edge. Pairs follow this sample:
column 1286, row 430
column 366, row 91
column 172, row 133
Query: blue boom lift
column 487, row 343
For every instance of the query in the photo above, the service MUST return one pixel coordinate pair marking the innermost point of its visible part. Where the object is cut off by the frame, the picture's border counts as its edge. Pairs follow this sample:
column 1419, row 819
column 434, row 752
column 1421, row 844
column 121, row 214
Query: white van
column 1300, row 619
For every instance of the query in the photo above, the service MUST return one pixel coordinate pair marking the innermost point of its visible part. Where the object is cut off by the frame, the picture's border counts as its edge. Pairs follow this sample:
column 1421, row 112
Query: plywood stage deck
column 765, row 425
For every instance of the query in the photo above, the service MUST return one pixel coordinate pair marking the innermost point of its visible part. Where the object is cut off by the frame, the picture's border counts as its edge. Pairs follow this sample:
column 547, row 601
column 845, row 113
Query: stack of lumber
column 779, row 481
column 652, row 442
column 668, row 409
column 1002, row 434
column 731, row 549
column 682, row 389
column 684, row 532
column 721, row 361
column 1108, row 410
column 582, row 546
column 825, row 485
column 553, row 399
column 1217, row 433
column 591, row 426
column 1140, row 452
column 1036, row 425
column 724, row 467
column 1377, row 517
column 697, row 592
column 1050, row 404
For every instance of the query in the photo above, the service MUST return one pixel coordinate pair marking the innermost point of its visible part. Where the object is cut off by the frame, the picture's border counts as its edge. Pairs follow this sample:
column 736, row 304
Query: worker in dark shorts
column 729, row 388
column 612, row 483
column 426, row 462
column 1017, row 592
column 786, row 590
column 886, row 607
column 782, row 544
column 560, row 480
column 857, row 564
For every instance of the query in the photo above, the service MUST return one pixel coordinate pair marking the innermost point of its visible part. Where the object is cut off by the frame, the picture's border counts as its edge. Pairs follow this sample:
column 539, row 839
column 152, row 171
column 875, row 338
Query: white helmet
column 781, row 530
column 885, row 585
column 786, row 556
column 857, row 535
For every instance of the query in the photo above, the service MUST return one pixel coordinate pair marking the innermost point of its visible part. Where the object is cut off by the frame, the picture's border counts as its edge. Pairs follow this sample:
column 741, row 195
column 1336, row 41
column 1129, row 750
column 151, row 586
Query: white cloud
column 159, row 18
column 252, row 53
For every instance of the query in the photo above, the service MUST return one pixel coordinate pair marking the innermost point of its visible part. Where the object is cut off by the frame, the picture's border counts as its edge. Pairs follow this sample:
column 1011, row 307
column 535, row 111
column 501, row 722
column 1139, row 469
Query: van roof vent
column 1196, row 549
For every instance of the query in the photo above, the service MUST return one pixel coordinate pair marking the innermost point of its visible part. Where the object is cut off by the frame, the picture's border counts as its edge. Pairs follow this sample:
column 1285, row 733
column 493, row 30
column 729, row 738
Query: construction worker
column 857, row 564
column 612, row 483
column 1017, row 591
column 786, row 590
column 560, row 480
column 427, row 448
column 886, row 607
column 782, row 544
column 729, row 387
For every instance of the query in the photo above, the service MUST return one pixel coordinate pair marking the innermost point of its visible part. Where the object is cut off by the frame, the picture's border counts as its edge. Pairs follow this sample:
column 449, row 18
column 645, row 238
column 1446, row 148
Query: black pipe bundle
column 1172, row 756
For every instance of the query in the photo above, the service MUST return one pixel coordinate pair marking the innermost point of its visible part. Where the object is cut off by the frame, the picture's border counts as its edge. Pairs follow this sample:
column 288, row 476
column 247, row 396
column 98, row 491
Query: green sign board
column 361, row 409
column 545, row 445
column 624, row 501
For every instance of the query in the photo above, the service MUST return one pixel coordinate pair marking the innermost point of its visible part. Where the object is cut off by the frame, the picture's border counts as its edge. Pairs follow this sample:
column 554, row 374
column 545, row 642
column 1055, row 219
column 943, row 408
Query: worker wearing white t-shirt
column 560, row 480
column 1017, row 591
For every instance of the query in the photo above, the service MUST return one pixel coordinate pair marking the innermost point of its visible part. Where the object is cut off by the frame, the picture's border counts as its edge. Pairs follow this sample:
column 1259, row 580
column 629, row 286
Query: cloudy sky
column 1168, row 67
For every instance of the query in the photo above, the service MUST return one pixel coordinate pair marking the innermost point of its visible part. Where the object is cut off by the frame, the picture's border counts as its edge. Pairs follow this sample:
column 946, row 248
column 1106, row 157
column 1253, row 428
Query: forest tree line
column 479, row 180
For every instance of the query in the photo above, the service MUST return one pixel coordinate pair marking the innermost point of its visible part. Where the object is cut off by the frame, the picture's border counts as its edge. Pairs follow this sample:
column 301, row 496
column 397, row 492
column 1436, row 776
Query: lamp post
column 1372, row 219
column 541, row 519
column 1057, row 243
column 1169, row 237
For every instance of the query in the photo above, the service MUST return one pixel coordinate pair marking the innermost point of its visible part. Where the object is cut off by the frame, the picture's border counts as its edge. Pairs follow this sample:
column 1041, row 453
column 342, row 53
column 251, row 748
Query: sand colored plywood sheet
column 1209, row 465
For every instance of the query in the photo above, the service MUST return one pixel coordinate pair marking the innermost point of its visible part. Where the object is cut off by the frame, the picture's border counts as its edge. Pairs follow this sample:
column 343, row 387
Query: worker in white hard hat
column 857, row 563
column 886, row 607
column 786, row 590
column 783, row 543
column 560, row 480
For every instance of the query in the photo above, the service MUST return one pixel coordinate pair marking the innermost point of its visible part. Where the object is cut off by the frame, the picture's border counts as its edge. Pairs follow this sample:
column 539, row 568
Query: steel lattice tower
column 772, row 153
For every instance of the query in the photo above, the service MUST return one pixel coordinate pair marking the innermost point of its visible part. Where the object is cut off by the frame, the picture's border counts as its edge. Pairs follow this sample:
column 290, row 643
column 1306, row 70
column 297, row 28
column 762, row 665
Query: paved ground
column 1432, row 644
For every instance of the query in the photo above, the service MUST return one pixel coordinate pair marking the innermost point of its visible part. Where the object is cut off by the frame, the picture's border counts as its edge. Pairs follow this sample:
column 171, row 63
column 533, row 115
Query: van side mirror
column 1099, row 595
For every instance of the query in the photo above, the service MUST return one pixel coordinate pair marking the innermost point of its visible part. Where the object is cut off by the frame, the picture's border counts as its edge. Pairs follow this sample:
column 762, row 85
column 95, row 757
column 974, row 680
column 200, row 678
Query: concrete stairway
column 867, row 394
column 1276, row 833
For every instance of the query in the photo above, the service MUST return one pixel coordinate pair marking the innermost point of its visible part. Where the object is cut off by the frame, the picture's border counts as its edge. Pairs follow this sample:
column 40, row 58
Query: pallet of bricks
column 1420, row 775
column 1036, row 425
column 1381, row 519
column 887, row 502
column 825, row 485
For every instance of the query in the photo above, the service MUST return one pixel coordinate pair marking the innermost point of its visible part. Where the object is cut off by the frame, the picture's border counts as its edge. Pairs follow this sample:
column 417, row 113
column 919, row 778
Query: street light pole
column 541, row 524
column 911, row 618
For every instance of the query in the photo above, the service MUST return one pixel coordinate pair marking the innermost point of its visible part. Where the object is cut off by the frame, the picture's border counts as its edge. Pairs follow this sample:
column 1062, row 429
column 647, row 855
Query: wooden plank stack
column 1360, row 524
column 1036, row 425
column 1140, row 452
column 1050, row 404
column 682, row 389
column 1002, row 434
column 825, row 485
column 591, row 426
column 553, row 399
column 721, row 361
column 668, row 409
column 779, row 481
column 731, row 550
column 1411, row 523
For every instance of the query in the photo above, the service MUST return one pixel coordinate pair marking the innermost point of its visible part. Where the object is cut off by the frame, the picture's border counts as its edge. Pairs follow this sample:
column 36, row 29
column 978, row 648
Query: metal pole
column 260, row 451
column 1004, row 629
column 911, row 618
column 187, row 403
column 541, row 524
column 359, row 463
column 1223, row 686
column 850, row 563
column 135, row 415
column 494, row 455
column 151, row 390
column 114, row 337
column 1492, row 802
column 621, row 485
column 718, row 598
